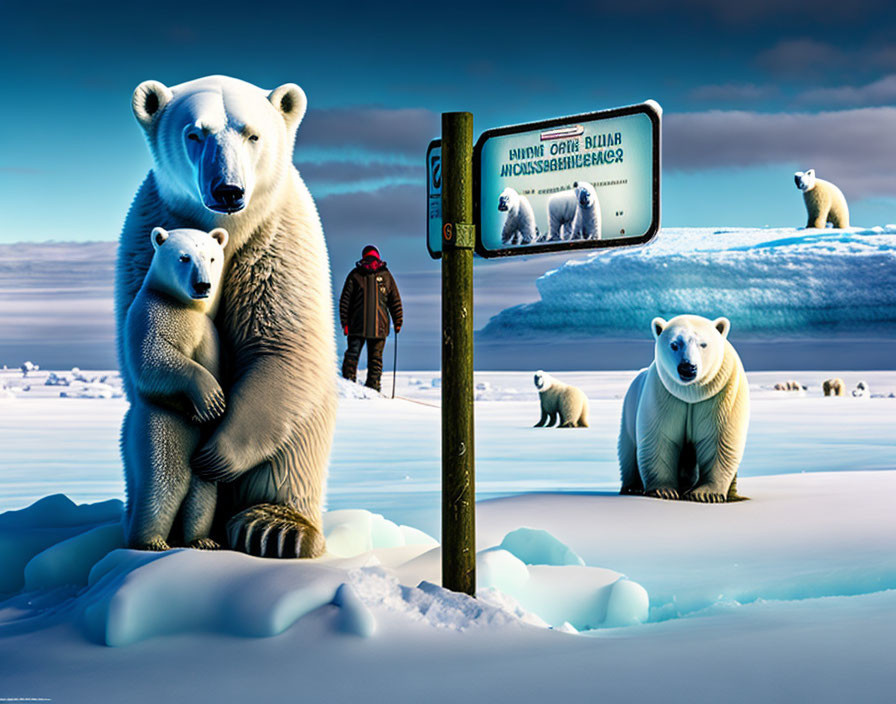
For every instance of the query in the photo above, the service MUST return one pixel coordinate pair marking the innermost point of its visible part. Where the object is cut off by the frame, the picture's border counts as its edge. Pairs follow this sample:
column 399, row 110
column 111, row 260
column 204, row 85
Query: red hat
column 370, row 249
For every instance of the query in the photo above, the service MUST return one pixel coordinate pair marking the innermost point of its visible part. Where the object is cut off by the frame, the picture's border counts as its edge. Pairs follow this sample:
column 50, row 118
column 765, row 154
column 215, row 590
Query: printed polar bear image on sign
column 584, row 181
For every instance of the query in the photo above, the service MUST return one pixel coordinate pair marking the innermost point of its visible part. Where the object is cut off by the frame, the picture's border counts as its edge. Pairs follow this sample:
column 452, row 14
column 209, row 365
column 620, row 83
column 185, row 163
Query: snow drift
column 781, row 282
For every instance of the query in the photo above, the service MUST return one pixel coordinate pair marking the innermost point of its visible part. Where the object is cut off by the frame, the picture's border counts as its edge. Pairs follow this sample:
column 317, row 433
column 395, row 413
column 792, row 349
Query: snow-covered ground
column 583, row 594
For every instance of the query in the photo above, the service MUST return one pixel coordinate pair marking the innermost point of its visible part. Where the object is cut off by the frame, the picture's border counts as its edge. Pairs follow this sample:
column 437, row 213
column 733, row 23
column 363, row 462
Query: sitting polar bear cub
column 171, row 352
column 558, row 398
column 685, row 417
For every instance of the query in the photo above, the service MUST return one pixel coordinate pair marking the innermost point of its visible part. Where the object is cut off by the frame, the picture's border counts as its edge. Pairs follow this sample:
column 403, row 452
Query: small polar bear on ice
column 559, row 399
column 519, row 223
column 790, row 385
column 685, row 417
column 574, row 214
column 834, row 387
column 861, row 390
column 825, row 202
column 171, row 351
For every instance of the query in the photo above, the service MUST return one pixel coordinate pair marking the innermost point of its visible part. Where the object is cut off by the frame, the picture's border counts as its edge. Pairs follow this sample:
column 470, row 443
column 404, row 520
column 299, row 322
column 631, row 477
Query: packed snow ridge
column 781, row 282
column 67, row 562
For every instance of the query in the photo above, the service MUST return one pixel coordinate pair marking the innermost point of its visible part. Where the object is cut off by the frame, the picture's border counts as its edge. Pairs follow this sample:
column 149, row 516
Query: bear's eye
column 674, row 346
column 212, row 259
column 253, row 138
column 185, row 258
column 703, row 344
column 193, row 136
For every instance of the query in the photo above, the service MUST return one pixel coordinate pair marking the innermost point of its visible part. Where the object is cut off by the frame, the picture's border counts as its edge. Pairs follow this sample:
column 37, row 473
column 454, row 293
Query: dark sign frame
column 434, row 144
column 651, row 109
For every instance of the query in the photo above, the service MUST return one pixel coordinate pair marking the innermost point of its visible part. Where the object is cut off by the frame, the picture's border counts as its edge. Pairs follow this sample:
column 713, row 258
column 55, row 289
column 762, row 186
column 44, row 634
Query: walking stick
column 394, row 362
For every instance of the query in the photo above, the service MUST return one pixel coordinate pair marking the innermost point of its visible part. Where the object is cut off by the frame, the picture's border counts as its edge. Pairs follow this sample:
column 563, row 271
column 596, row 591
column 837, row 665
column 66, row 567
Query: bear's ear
column 810, row 173
column 220, row 235
column 658, row 325
column 723, row 325
column 150, row 98
column 290, row 101
column 158, row 236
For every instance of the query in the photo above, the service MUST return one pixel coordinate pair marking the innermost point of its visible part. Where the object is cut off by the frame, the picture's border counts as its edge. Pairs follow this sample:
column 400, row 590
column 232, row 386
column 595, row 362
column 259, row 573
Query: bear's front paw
column 662, row 493
column 210, row 407
column 273, row 530
column 210, row 463
column 705, row 495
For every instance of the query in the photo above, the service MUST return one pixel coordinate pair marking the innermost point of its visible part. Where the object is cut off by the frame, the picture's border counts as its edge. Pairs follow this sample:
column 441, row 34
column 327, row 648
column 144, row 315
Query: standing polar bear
column 222, row 157
column 834, row 387
column 574, row 214
column 825, row 202
column 172, row 356
column 519, row 224
column 685, row 417
column 559, row 399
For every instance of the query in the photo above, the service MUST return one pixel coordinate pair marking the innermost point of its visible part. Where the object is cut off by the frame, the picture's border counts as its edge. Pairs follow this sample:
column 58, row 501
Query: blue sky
column 751, row 92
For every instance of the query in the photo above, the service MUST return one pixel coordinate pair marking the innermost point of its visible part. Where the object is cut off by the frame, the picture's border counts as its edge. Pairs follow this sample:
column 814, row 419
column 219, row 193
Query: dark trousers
column 374, row 359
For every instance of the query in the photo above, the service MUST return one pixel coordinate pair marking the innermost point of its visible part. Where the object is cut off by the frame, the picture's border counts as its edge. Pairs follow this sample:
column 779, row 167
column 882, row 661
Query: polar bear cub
column 519, row 224
column 559, row 399
column 825, row 203
column 685, row 417
column 171, row 351
column 575, row 214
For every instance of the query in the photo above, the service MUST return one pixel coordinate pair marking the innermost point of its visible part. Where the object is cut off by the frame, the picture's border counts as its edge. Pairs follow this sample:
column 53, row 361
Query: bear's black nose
column 687, row 371
column 229, row 196
column 201, row 287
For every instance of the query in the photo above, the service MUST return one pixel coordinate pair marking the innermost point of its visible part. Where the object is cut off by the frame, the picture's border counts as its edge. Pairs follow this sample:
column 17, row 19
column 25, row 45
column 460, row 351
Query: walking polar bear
column 685, row 417
column 222, row 157
column 825, row 203
column 559, row 399
column 574, row 214
column 519, row 224
column 172, row 356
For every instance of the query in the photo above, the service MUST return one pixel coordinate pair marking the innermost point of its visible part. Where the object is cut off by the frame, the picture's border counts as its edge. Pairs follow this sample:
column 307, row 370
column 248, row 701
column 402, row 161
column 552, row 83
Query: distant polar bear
column 834, row 387
column 558, row 398
column 574, row 214
column 685, row 417
column 519, row 225
column 825, row 202
column 789, row 386
column 172, row 355
column 861, row 390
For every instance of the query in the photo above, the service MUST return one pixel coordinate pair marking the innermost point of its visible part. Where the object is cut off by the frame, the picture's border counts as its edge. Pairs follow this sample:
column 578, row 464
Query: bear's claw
column 705, row 497
column 156, row 544
column 204, row 544
column 212, row 408
column 272, row 530
column 664, row 493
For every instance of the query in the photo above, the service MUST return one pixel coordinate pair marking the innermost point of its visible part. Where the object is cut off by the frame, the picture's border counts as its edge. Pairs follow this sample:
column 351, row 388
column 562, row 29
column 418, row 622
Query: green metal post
column 458, row 477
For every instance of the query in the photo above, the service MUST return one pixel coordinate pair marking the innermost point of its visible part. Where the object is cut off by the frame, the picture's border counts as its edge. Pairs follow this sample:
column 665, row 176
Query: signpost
column 578, row 182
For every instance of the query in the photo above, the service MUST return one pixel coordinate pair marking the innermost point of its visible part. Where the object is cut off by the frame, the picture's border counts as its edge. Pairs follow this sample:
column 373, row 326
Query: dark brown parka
column 368, row 297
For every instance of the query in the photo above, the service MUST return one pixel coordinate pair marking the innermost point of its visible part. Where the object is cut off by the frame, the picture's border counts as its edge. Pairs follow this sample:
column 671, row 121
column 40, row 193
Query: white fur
column 825, row 203
column 694, row 394
column 519, row 222
column 834, row 387
column 171, row 352
column 560, row 400
column 574, row 214
column 275, row 316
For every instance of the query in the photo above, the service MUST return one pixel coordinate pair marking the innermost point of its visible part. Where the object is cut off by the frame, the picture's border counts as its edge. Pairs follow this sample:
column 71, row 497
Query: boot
column 350, row 368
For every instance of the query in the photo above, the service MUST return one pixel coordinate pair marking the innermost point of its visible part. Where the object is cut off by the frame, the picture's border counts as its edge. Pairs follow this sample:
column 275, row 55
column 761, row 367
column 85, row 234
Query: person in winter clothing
column 368, row 298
